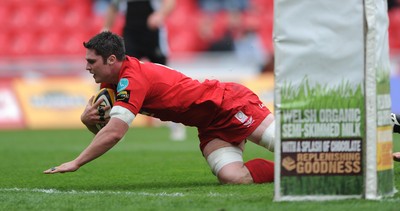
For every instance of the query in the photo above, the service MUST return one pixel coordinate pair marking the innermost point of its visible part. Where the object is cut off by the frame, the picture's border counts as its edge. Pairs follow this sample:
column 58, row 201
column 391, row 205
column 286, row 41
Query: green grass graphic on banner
column 322, row 138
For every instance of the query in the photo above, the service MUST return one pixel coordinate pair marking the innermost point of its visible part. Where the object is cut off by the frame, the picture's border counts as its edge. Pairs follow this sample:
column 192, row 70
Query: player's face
column 95, row 65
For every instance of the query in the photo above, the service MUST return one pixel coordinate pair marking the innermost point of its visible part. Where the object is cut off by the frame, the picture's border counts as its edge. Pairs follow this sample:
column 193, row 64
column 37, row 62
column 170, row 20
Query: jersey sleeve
column 131, row 90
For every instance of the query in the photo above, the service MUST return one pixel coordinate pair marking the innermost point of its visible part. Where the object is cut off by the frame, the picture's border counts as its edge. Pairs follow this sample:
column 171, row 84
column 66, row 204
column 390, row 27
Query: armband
column 123, row 114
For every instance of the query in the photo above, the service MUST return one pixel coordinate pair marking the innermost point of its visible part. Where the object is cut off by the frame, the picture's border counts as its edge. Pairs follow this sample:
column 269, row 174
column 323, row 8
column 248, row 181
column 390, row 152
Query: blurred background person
column 145, row 35
column 233, row 26
column 221, row 36
column 144, row 31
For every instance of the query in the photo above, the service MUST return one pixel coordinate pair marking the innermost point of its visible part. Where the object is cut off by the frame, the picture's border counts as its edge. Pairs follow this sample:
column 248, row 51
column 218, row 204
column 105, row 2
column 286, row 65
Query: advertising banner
column 54, row 102
column 321, row 103
column 11, row 116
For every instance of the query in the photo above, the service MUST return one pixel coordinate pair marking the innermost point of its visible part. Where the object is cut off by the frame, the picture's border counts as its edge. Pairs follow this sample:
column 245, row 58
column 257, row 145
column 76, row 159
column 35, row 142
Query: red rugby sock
column 261, row 170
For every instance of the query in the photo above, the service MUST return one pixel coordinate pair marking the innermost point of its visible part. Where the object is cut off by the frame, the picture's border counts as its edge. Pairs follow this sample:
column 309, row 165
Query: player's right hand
column 65, row 167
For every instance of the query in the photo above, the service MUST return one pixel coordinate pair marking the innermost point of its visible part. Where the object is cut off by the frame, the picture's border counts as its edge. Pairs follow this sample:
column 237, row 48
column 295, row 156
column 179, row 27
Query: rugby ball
column 108, row 97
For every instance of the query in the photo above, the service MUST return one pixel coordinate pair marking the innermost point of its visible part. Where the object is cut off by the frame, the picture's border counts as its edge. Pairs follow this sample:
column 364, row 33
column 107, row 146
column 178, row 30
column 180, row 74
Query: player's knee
column 234, row 173
column 268, row 137
column 227, row 164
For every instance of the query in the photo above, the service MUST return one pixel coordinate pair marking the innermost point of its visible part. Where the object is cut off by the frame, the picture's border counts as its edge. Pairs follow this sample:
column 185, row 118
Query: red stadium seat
column 22, row 44
column 394, row 30
column 5, row 39
column 48, row 17
column 22, row 17
column 73, row 18
column 5, row 13
column 39, row 27
column 183, row 28
column 48, row 43
column 73, row 43
column 261, row 18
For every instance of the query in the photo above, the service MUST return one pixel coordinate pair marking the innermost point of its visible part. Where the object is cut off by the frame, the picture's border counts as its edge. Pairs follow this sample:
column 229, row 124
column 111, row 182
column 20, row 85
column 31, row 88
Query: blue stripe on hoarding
column 395, row 93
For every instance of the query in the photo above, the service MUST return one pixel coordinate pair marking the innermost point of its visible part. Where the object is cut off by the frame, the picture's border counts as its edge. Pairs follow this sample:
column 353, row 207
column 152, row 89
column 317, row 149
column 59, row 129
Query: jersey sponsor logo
column 243, row 118
column 249, row 122
column 123, row 96
column 122, row 84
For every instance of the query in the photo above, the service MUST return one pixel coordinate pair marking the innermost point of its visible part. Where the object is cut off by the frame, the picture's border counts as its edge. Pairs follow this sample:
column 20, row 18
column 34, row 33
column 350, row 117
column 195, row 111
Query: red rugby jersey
column 159, row 91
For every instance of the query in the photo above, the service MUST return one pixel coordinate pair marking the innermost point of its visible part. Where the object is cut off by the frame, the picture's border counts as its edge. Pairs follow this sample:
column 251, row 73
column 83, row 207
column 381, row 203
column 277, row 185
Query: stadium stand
column 43, row 39
column 38, row 27
column 394, row 30
column 58, row 27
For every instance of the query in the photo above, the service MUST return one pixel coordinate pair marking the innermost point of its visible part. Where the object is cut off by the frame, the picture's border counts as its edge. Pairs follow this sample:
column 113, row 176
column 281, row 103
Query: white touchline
column 55, row 191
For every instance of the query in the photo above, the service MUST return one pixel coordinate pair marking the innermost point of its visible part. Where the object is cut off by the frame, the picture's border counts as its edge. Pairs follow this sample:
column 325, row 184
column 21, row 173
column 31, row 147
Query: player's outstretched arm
column 102, row 142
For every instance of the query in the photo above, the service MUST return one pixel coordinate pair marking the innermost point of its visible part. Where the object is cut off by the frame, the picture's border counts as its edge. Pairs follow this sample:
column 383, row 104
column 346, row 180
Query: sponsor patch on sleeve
column 122, row 84
column 123, row 96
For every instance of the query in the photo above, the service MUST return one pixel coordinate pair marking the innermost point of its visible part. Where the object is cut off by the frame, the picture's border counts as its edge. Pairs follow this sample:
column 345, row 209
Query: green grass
column 145, row 171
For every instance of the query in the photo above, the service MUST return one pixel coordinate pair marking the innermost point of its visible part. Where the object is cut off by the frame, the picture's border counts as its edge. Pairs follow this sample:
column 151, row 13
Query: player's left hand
column 65, row 167
column 91, row 115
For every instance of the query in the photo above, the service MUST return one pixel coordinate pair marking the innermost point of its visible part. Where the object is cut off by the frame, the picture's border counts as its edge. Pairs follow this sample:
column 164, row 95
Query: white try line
column 95, row 192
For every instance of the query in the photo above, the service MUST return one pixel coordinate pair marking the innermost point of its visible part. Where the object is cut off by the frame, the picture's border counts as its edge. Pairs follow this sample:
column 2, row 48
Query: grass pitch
column 145, row 171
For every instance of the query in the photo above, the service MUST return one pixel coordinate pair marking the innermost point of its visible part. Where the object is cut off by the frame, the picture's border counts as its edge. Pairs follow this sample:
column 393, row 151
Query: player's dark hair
column 106, row 44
